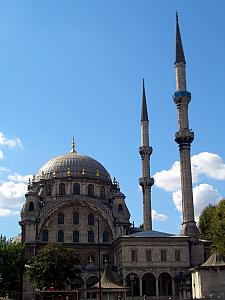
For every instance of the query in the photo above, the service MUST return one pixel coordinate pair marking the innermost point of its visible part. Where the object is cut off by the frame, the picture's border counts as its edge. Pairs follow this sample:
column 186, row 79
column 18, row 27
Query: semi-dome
column 74, row 165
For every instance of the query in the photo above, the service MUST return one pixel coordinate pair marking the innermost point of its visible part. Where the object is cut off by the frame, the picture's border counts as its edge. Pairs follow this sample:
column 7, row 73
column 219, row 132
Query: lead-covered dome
column 74, row 165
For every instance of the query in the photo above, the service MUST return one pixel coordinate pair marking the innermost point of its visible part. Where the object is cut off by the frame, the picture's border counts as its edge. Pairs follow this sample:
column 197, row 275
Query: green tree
column 11, row 265
column 212, row 225
column 54, row 266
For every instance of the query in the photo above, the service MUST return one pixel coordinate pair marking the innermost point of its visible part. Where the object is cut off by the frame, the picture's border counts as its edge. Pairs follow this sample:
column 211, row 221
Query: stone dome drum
column 74, row 165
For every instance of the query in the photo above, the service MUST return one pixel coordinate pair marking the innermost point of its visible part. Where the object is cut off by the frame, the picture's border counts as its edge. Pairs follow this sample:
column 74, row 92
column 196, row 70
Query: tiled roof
column 150, row 233
column 215, row 260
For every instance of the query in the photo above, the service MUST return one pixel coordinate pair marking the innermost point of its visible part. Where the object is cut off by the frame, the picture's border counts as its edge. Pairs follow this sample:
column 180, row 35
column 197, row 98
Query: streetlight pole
column 99, row 264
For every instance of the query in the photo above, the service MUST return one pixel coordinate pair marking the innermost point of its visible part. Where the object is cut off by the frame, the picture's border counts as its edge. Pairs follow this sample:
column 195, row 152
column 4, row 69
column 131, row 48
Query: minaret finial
column 73, row 146
column 144, row 110
column 179, row 47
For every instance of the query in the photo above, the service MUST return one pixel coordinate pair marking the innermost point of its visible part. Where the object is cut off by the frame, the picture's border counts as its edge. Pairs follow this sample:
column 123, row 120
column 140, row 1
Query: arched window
column 76, row 236
column 75, row 218
column 31, row 206
column 62, row 189
column 48, row 190
column 60, row 236
column 90, row 190
column 45, row 235
column 91, row 236
column 102, row 192
column 91, row 219
column 76, row 189
column 120, row 208
column 105, row 236
column 60, row 218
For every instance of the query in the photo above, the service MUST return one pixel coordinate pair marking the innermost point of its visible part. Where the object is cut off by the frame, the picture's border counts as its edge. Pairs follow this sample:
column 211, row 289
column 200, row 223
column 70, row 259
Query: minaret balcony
column 145, row 151
column 146, row 182
column 182, row 96
column 184, row 136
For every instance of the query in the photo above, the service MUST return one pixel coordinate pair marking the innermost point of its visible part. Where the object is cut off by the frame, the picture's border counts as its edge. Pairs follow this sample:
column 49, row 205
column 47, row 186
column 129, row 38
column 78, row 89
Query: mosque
column 73, row 200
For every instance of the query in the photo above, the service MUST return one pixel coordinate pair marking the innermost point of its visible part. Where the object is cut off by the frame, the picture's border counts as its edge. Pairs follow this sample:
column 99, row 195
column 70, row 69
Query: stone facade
column 63, row 207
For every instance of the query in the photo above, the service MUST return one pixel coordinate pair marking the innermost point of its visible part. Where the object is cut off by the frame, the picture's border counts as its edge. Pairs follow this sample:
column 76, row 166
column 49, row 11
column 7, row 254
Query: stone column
column 173, row 287
column 140, row 286
column 157, row 287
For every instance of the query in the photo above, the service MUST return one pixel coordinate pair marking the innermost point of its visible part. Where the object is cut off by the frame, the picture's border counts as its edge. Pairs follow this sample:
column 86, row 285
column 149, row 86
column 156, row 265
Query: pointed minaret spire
column 184, row 137
column 179, row 47
column 145, row 151
column 144, row 110
column 180, row 63
column 73, row 146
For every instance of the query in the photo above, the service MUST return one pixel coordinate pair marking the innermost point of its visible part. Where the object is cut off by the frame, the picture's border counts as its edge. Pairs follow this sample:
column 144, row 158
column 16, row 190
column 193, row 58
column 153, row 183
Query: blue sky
column 75, row 68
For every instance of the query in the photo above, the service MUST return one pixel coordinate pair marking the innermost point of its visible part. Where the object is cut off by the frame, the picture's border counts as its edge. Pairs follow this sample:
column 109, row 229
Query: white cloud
column 4, row 169
column 177, row 200
column 203, row 195
column 12, row 194
column 9, row 142
column 209, row 164
column 19, row 178
column 158, row 217
column 203, row 164
column 169, row 180
column 1, row 154
column 5, row 212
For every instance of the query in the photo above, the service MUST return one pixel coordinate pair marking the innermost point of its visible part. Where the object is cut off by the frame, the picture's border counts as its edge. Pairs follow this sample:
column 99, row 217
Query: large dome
column 74, row 164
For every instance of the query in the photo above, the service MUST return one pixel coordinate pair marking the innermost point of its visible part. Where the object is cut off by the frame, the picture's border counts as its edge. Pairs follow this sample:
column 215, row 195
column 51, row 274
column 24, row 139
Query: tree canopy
column 11, row 265
column 54, row 266
column 212, row 226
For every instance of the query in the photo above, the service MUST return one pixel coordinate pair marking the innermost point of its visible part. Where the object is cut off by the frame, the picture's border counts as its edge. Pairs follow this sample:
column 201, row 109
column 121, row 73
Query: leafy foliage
column 54, row 266
column 11, row 265
column 212, row 225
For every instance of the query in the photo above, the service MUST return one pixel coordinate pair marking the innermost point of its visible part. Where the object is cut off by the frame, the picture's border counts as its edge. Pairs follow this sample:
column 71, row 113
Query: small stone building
column 208, row 280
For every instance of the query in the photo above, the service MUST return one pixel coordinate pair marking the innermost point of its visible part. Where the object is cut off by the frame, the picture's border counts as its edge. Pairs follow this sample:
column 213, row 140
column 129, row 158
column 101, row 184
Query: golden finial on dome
column 33, row 179
column 69, row 172
column 73, row 146
column 97, row 173
column 54, row 174
column 42, row 175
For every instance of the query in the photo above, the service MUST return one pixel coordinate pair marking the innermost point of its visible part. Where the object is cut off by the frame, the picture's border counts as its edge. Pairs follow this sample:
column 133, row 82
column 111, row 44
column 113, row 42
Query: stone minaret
column 184, row 137
column 145, row 151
